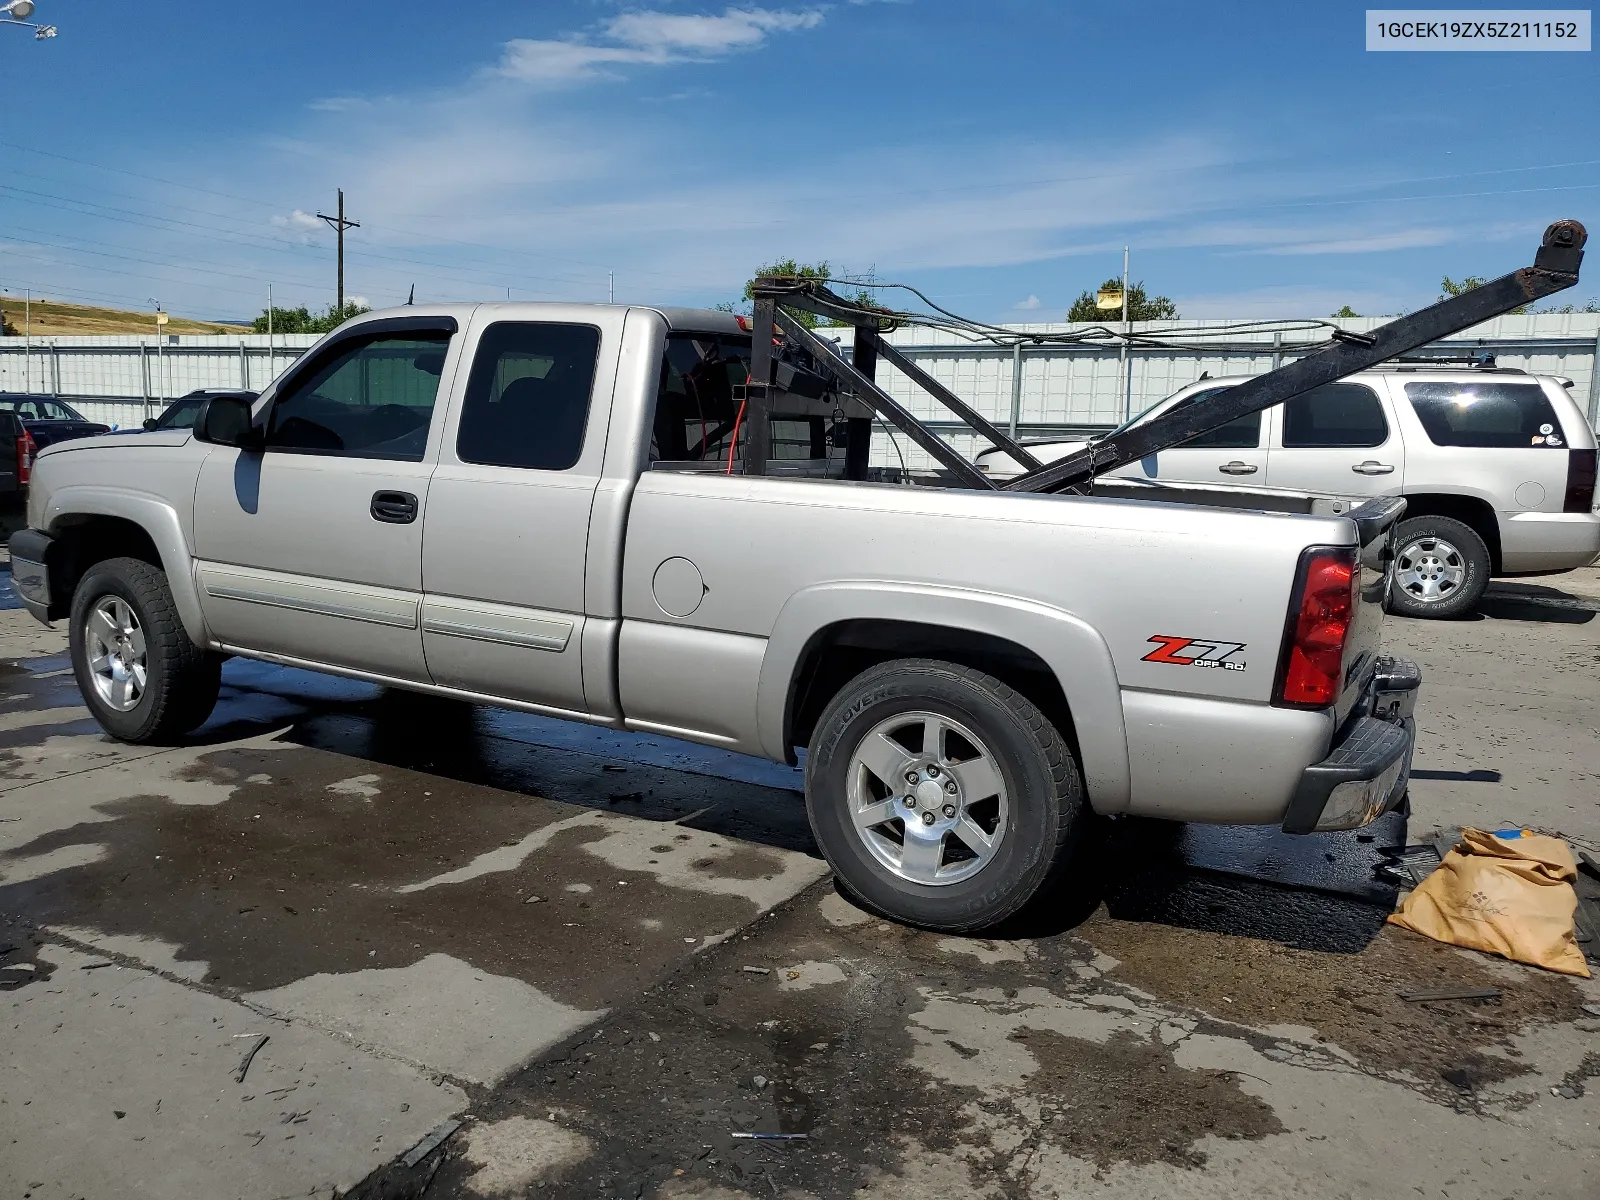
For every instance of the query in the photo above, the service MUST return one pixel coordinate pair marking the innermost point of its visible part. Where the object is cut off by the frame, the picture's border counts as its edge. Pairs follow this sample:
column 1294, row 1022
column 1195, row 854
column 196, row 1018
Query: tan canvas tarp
column 1508, row 896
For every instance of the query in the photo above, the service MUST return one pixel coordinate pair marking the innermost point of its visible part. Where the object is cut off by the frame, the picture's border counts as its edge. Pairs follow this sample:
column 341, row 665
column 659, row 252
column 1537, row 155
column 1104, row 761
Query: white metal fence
column 120, row 380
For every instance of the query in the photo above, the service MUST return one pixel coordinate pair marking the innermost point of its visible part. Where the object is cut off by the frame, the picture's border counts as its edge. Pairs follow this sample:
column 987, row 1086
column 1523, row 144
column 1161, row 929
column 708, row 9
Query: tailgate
column 1375, row 523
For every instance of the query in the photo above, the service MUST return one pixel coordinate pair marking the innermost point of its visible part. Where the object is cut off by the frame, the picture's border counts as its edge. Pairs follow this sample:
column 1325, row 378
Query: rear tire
column 140, row 675
column 941, row 797
column 1441, row 570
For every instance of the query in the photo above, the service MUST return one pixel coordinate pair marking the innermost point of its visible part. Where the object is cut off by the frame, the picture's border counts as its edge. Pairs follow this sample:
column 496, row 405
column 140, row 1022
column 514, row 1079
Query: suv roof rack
column 1482, row 361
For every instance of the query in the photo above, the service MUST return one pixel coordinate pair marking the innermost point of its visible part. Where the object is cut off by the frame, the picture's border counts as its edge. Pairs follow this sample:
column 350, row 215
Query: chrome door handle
column 1371, row 467
column 1238, row 468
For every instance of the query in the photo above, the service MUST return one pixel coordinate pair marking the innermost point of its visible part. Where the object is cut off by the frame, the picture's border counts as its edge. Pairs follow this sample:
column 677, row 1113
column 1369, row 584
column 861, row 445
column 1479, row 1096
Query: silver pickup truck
column 538, row 506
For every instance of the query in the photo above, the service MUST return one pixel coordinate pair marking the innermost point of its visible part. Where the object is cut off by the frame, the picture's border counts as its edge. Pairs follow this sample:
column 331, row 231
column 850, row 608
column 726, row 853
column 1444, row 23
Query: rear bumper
column 1366, row 773
column 30, row 574
column 1541, row 541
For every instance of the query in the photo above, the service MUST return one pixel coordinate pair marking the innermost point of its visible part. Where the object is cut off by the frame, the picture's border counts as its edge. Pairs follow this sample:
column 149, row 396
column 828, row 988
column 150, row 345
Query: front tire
column 140, row 675
column 1441, row 570
column 941, row 797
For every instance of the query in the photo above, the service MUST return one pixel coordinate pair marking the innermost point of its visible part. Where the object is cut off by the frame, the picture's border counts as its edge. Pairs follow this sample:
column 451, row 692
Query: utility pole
column 611, row 287
column 339, row 225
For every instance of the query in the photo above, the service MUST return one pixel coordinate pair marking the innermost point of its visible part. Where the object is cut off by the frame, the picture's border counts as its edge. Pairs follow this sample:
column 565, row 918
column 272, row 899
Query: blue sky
column 1257, row 160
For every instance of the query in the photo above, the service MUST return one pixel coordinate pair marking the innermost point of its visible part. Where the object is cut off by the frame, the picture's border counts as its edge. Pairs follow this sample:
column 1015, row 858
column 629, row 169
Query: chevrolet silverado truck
column 538, row 506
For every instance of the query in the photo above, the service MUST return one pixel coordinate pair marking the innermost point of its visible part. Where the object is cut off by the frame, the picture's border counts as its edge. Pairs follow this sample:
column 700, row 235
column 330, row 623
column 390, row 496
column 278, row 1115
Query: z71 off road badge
column 1195, row 652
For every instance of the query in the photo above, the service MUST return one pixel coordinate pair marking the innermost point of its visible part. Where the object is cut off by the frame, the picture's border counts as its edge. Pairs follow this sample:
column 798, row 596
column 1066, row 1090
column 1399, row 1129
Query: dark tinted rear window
column 1335, row 414
column 1490, row 413
column 528, row 395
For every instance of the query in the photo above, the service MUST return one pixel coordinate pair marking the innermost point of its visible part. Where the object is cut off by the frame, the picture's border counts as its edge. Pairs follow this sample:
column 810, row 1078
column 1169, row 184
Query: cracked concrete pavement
column 604, row 955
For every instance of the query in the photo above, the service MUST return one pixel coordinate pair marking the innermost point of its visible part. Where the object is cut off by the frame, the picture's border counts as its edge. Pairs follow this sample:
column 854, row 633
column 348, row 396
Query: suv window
column 1334, row 415
column 38, row 408
column 528, row 396
column 368, row 398
column 1241, row 433
column 702, row 384
column 1487, row 413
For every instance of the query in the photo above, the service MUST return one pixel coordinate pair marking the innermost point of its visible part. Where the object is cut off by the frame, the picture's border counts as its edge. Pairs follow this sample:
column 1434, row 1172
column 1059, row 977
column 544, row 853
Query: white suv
column 1497, row 468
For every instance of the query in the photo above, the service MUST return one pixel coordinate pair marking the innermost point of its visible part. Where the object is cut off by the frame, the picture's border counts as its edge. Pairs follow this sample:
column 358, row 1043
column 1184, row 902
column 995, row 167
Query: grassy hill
column 53, row 318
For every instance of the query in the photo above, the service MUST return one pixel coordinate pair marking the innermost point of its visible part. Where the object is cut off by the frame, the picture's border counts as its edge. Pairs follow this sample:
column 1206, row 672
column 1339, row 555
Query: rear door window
column 527, row 399
column 1487, row 413
column 1335, row 415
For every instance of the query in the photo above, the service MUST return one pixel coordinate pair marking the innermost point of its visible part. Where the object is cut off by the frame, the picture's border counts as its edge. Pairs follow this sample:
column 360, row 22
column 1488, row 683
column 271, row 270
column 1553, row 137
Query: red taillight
column 25, row 452
column 1312, row 670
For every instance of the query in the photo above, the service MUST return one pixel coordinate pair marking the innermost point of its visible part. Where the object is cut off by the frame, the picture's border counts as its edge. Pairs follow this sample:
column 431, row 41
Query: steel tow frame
column 1555, row 268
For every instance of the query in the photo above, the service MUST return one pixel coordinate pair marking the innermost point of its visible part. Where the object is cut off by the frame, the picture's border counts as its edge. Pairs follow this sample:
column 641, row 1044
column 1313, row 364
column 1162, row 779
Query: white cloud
column 1028, row 305
column 648, row 38
column 339, row 104
column 1289, row 300
column 735, row 29
column 297, row 220
column 1404, row 239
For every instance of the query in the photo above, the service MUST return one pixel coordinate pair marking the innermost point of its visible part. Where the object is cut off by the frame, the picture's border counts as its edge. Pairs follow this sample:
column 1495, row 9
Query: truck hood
column 105, row 440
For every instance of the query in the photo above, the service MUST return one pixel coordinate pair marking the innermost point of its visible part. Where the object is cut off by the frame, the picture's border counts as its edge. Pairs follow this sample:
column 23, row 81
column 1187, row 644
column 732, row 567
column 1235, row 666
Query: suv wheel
column 941, row 797
column 1441, row 570
column 140, row 675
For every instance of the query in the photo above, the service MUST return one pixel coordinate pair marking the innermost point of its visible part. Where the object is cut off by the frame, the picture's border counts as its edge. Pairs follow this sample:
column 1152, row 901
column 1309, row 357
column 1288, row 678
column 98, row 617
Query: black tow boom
column 1555, row 268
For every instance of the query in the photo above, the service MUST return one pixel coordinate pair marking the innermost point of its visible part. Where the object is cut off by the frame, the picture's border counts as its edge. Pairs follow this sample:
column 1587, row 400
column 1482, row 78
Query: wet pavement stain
column 1082, row 1085
column 298, row 872
column 1350, row 1001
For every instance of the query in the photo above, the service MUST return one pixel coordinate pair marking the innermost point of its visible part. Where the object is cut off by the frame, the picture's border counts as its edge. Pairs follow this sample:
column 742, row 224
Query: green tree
column 1452, row 288
column 1593, row 306
column 798, row 270
column 1140, row 306
column 1345, row 311
column 302, row 320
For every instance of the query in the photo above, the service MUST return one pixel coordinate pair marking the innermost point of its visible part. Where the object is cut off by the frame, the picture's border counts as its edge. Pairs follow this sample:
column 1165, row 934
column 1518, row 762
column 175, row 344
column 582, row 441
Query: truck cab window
column 527, row 398
column 367, row 398
column 1334, row 415
column 702, row 385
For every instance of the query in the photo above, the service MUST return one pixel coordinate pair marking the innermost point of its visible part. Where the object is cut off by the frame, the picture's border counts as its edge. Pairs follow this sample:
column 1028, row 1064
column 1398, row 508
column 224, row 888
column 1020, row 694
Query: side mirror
column 225, row 421
column 149, row 424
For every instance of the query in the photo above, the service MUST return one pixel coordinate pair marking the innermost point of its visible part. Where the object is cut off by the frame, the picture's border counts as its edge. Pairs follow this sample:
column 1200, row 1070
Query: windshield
column 37, row 408
column 1139, row 417
column 181, row 415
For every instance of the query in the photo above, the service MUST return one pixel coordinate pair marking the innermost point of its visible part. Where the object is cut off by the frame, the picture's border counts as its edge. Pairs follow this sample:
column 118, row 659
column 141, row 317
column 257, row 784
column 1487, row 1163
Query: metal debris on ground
column 1452, row 994
column 1592, row 1009
column 244, row 1063
column 757, row 970
column 430, row 1143
column 771, row 1137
